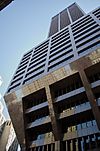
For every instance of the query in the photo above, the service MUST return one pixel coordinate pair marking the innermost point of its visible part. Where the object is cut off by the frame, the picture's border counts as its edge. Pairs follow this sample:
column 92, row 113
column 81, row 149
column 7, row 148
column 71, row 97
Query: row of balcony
column 73, row 132
column 66, row 113
column 62, row 97
column 73, row 86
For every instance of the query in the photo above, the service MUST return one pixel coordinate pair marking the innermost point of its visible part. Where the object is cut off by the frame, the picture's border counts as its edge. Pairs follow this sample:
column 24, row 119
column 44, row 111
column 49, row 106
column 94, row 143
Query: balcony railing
column 75, row 109
column 70, row 94
column 39, row 121
column 37, row 107
column 88, row 128
column 43, row 139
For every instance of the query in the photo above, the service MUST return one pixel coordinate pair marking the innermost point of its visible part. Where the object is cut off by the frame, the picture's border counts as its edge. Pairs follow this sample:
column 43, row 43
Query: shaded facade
column 54, row 96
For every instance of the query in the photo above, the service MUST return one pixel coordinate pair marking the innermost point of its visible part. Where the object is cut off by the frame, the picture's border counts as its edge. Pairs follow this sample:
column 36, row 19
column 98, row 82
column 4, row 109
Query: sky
column 23, row 25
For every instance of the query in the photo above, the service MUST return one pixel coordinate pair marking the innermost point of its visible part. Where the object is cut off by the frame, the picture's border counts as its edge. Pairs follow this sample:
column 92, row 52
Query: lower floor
column 87, row 143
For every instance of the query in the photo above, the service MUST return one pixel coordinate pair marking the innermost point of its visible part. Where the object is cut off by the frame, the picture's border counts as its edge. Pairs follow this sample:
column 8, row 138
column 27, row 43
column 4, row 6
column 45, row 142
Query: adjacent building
column 12, row 142
column 54, row 96
column 4, row 3
column 8, row 140
column 2, row 117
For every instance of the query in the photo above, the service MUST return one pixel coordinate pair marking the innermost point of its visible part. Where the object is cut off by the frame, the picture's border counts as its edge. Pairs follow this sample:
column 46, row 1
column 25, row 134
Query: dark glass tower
column 65, row 18
column 54, row 96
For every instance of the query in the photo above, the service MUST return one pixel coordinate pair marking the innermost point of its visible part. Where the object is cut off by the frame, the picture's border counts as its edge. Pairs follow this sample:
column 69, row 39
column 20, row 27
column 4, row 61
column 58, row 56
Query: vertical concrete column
column 66, row 145
column 73, row 42
column 76, row 144
column 57, row 146
column 42, row 148
column 47, row 147
column 35, row 149
column 52, row 147
column 71, row 145
column 55, row 125
column 80, row 65
column 69, row 15
column 89, row 138
column 82, row 144
column 95, row 141
column 91, row 98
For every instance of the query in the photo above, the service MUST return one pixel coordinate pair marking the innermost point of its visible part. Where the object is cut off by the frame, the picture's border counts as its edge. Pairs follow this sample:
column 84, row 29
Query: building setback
column 54, row 96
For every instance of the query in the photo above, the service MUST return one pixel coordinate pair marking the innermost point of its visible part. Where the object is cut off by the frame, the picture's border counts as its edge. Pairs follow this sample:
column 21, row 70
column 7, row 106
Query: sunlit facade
column 2, row 118
column 7, row 133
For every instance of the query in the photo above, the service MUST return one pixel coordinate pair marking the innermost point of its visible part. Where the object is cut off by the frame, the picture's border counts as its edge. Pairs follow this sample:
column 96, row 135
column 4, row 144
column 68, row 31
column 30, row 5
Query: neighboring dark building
column 4, row 3
column 54, row 96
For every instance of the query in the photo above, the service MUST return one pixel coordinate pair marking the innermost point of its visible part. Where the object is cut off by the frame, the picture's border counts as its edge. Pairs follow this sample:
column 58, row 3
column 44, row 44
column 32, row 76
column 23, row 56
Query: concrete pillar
column 42, row 148
column 76, row 144
column 66, row 146
column 35, row 149
column 57, row 146
column 91, row 98
column 80, row 65
column 47, row 147
column 89, row 138
column 52, row 146
column 55, row 125
column 82, row 144
column 95, row 140
column 71, row 145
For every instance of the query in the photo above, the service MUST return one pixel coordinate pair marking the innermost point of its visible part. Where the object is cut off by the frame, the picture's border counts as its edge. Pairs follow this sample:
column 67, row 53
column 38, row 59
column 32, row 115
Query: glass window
column 83, row 125
column 89, row 124
column 79, row 127
column 94, row 122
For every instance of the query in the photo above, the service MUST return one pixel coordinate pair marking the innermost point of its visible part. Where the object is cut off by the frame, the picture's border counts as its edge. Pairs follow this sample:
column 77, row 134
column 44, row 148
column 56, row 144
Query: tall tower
column 65, row 18
column 54, row 96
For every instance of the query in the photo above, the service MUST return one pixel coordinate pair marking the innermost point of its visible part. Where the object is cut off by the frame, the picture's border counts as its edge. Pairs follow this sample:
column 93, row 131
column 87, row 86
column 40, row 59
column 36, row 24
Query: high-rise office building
column 54, row 96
